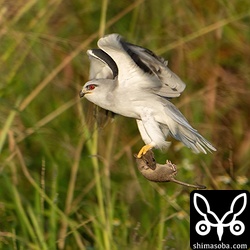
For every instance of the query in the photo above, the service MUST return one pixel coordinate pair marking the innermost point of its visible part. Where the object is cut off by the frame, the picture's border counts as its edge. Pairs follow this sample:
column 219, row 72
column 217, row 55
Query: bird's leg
column 144, row 150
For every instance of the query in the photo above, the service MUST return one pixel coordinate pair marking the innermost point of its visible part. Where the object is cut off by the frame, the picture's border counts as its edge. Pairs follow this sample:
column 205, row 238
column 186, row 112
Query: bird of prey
column 132, row 81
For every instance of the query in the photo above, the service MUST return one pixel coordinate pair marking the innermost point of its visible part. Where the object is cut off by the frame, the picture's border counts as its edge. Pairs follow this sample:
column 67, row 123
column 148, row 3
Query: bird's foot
column 144, row 150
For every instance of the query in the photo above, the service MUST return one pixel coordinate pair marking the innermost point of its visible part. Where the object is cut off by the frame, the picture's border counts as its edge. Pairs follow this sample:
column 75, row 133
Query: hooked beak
column 81, row 93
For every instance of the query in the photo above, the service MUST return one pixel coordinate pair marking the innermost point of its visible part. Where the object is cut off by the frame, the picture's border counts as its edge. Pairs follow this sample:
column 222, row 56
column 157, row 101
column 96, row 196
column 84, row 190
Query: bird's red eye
column 91, row 87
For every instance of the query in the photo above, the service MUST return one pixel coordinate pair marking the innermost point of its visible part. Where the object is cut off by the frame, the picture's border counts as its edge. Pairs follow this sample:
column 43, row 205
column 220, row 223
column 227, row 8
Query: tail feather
column 192, row 139
column 181, row 130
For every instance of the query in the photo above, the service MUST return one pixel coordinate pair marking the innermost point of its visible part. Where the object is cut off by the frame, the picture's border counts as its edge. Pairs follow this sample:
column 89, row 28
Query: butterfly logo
column 210, row 219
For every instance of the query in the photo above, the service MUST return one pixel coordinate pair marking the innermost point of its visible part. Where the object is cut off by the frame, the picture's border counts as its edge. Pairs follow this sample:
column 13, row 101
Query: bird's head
column 97, row 91
column 89, row 88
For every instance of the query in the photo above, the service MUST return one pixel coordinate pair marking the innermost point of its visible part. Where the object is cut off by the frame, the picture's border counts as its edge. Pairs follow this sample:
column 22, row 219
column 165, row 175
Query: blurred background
column 68, row 181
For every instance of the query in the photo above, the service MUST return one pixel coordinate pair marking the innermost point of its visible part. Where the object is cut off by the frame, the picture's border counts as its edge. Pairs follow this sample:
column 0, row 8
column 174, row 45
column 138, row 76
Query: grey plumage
column 132, row 81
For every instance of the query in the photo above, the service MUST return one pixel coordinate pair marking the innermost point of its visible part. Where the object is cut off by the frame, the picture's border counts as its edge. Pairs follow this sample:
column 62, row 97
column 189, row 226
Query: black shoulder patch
column 135, row 58
column 107, row 59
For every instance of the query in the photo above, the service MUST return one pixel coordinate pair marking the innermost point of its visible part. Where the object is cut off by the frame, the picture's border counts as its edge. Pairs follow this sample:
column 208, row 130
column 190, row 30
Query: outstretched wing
column 127, row 56
column 171, row 84
column 101, row 65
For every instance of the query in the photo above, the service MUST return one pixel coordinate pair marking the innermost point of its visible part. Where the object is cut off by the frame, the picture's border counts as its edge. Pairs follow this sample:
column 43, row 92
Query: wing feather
column 171, row 85
column 163, row 82
column 101, row 65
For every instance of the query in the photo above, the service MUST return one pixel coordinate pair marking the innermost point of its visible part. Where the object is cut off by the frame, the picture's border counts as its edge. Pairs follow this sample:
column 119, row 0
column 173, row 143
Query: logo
column 219, row 219
column 203, row 227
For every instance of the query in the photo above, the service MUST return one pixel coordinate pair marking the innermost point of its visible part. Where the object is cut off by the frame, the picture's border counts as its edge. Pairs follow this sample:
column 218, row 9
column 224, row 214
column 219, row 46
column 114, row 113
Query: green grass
column 67, row 184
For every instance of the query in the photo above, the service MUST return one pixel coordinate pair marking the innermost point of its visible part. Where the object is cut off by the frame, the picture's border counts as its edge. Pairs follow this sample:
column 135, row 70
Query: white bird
column 132, row 81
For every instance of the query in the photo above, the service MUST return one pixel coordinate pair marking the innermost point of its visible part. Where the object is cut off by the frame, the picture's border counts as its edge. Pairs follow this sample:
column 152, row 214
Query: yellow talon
column 144, row 150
